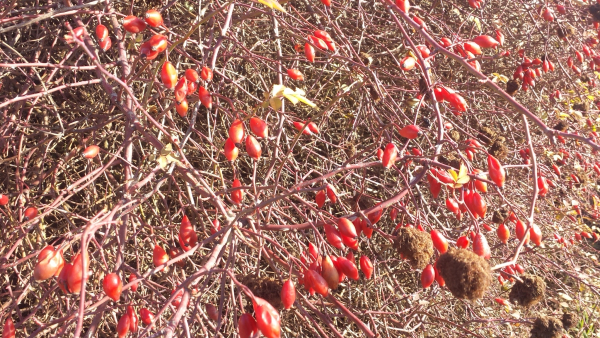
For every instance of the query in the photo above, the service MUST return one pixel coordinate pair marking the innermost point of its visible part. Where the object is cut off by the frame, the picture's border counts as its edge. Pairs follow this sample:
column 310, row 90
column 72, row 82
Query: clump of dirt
column 500, row 216
column 583, row 179
column 561, row 126
column 498, row 149
column 451, row 160
column 568, row 320
column 529, row 291
column 454, row 135
column 585, row 106
column 486, row 134
column 595, row 11
column 546, row 327
column 362, row 201
column 512, row 86
column 564, row 32
column 415, row 246
column 467, row 275
column 266, row 288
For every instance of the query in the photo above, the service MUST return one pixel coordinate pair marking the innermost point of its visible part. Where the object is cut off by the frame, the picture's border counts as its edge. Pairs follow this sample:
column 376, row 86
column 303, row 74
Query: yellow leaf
column 476, row 20
column 294, row 96
column 277, row 90
column 411, row 101
column 462, row 171
column 290, row 95
column 577, row 114
column 272, row 4
column 454, row 174
column 463, row 180
column 162, row 161
column 166, row 150
column 563, row 115
column 275, row 103
column 499, row 77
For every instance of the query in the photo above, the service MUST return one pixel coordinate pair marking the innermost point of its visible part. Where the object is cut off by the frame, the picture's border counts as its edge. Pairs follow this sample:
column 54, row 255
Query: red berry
column 191, row 75
column 147, row 316
column 230, row 150
column 133, row 319
column 366, row 266
column 427, row 276
column 134, row 286
column 236, row 131
column 133, row 24
column 320, row 199
column 389, row 155
column 288, row 294
column 212, row 312
column 112, row 286
column 481, row 246
column 168, row 75
column 159, row 256
column 253, row 147
column 30, row 213
column 346, row 228
column 187, row 235
column 154, row 18
column 439, row 241
column 246, row 325
column 410, row 132
column 295, row 74
column 259, row 127
column 267, row 318
column 123, row 326
column 206, row 74
column 503, row 233
column 238, row 195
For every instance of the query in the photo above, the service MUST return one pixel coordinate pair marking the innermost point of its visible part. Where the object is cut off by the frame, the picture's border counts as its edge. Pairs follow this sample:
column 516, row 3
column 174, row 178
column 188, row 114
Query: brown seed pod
column 415, row 246
column 568, row 320
column 529, row 291
column 547, row 327
column 266, row 288
column 466, row 274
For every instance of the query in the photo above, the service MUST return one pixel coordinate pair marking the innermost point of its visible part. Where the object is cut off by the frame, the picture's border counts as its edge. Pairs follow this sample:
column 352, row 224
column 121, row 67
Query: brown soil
column 499, row 216
column 583, row 179
column 486, row 134
column 454, row 135
column 451, row 160
column 499, row 149
column 467, row 275
column 547, row 327
column 582, row 106
column 266, row 288
column 415, row 246
column 561, row 126
column 512, row 86
column 529, row 291
column 568, row 320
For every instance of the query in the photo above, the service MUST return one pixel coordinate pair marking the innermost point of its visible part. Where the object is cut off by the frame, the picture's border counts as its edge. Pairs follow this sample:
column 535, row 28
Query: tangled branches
column 208, row 153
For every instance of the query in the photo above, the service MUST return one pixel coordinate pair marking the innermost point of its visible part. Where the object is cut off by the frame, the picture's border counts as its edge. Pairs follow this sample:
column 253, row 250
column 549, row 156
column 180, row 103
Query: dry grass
column 361, row 102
